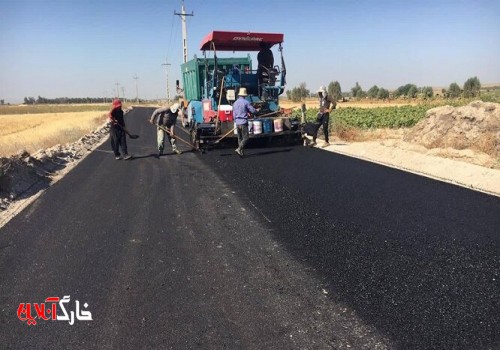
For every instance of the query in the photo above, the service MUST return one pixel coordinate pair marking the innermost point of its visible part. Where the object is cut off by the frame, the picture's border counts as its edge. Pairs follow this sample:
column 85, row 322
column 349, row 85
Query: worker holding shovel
column 165, row 118
column 117, row 131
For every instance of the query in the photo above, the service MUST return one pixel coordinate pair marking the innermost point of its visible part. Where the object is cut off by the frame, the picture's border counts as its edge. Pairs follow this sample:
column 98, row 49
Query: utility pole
column 117, row 90
column 166, row 64
column 183, row 15
column 136, row 89
column 123, row 94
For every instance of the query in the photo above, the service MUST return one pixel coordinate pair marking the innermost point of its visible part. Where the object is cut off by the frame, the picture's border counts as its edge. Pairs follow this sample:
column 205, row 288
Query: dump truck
column 211, row 85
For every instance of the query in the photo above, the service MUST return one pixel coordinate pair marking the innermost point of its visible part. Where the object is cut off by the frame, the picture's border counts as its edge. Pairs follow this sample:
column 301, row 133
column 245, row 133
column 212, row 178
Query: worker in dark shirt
column 326, row 105
column 265, row 56
column 117, row 131
column 165, row 119
column 265, row 61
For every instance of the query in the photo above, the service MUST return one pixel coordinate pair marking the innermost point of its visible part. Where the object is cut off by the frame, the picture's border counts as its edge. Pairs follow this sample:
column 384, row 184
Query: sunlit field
column 37, row 109
column 32, row 132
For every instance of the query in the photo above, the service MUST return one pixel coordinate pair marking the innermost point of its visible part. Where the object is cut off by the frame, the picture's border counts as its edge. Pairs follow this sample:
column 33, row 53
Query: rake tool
column 177, row 137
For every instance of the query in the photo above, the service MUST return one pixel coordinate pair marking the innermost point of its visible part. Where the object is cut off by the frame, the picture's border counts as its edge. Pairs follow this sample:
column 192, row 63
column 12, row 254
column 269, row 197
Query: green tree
column 373, row 92
column 298, row 93
column 426, row 92
column 405, row 89
column 357, row 91
column 453, row 91
column 412, row 92
column 335, row 91
column 383, row 93
column 472, row 87
column 29, row 100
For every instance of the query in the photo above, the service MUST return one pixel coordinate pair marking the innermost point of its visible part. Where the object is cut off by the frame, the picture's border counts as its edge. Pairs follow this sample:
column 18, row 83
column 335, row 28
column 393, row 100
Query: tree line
column 471, row 88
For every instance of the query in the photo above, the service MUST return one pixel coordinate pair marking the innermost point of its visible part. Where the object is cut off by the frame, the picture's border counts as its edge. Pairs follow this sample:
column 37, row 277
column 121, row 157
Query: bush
column 335, row 91
column 298, row 93
column 453, row 91
column 383, row 93
column 373, row 92
column 472, row 87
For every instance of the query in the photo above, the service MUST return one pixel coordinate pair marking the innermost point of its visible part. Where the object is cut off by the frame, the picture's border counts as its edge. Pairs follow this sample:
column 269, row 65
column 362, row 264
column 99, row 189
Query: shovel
column 132, row 136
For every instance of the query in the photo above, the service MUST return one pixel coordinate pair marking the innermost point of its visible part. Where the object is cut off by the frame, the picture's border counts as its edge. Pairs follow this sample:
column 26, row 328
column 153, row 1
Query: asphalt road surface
column 288, row 248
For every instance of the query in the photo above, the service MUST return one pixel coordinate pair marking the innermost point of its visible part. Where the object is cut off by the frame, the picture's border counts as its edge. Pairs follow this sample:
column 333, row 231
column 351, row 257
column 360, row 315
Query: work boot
column 326, row 144
column 118, row 157
column 239, row 151
column 127, row 157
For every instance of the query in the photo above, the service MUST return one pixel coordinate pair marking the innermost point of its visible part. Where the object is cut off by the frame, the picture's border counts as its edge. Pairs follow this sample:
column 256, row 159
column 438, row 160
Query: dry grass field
column 32, row 132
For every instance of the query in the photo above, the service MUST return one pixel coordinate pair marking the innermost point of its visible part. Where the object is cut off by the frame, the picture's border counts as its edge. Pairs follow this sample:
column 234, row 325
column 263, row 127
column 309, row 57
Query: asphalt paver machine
column 211, row 85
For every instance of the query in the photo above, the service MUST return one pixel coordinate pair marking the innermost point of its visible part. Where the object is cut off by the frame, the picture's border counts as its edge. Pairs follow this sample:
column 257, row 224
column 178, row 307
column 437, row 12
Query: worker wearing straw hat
column 241, row 108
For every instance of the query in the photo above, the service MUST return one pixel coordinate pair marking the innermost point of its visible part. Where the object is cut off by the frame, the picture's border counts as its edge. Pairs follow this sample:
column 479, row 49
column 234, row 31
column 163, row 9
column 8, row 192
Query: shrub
column 472, row 87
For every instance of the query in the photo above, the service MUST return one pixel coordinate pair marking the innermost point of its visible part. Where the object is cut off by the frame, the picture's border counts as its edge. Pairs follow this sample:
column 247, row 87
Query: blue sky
column 80, row 48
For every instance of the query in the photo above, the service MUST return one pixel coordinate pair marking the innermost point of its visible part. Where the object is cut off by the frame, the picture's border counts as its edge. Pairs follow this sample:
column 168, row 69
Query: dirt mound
column 475, row 126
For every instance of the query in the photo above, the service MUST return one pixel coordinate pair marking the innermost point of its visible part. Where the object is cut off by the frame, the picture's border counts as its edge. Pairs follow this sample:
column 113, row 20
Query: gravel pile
column 24, row 173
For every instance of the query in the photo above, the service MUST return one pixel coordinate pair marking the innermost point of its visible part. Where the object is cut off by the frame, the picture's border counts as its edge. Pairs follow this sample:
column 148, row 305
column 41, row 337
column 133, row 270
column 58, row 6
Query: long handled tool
column 271, row 113
column 218, row 106
column 177, row 137
column 226, row 134
column 132, row 136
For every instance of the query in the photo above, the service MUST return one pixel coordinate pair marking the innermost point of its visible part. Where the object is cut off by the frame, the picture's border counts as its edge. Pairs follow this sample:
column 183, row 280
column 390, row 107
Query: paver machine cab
column 211, row 85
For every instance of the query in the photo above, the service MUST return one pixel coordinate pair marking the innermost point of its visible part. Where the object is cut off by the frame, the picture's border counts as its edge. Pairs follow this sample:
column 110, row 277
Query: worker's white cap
column 174, row 108
column 322, row 89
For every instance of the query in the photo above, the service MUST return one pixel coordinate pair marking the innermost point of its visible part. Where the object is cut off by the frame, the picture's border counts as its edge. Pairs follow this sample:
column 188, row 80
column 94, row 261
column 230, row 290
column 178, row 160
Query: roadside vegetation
column 31, row 132
column 376, row 108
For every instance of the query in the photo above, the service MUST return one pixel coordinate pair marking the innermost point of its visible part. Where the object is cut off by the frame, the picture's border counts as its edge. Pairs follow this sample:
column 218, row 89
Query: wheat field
column 32, row 132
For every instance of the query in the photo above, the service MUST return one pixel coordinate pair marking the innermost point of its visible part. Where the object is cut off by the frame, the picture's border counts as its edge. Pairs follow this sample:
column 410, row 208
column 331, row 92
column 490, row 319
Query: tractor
column 211, row 85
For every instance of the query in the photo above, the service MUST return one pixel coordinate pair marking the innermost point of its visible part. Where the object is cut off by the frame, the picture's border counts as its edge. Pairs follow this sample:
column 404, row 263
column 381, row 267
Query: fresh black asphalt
column 287, row 248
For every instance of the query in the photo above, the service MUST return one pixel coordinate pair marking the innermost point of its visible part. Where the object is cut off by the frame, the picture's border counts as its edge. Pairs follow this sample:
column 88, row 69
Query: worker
column 326, row 105
column 241, row 108
column 309, row 132
column 117, row 131
column 165, row 118
column 265, row 61
column 265, row 56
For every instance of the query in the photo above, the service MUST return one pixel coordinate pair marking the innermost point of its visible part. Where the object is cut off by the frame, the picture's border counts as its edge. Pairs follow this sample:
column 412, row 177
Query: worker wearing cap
column 241, row 108
column 325, row 107
column 165, row 118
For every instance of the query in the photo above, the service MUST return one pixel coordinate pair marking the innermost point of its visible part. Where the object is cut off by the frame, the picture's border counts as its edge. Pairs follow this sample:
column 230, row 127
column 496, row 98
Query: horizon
column 56, row 49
